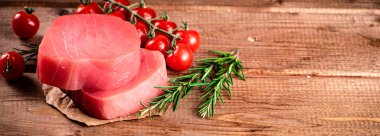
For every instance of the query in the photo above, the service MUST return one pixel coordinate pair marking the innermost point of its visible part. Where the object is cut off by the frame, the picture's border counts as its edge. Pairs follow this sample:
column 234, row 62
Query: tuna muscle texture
column 125, row 101
column 99, row 56
column 89, row 51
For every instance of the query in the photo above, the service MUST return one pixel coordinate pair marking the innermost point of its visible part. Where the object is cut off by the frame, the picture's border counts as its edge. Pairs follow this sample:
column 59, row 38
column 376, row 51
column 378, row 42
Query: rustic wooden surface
column 313, row 68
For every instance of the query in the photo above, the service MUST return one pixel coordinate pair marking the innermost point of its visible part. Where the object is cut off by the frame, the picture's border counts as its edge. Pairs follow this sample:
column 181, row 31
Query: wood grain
column 353, row 4
column 313, row 68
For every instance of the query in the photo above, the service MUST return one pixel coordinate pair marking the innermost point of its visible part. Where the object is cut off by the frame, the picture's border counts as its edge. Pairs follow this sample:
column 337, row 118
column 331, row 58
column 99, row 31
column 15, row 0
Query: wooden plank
column 313, row 69
column 270, row 105
column 287, row 44
column 353, row 4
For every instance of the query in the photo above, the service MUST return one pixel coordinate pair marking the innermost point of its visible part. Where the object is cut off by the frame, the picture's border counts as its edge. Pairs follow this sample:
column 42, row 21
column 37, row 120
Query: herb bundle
column 213, row 75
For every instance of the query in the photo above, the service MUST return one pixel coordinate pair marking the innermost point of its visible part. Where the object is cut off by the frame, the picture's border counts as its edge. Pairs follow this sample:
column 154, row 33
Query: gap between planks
column 309, row 73
column 257, row 73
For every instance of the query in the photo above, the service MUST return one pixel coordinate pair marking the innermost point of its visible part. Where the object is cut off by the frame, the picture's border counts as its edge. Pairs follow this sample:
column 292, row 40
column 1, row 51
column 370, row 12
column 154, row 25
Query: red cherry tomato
column 181, row 58
column 158, row 43
column 189, row 37
column 91, row 8
column 142, row 31
column 12, row 65
column 25, row 24
column 117, row 8
column 165, row 25
column 145, row 12
column 119, row 15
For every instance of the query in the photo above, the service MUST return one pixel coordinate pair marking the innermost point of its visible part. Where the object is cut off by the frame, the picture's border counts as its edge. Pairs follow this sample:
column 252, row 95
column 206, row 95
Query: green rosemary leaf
column 175, row 79
column 165, row 92
column 162, row 109
column 219, row 52
column 221, row 98
column 226, row 62
column 241, row 70
column 228, row 89
column 239, row 75
column 210, row 85
column 202, row 107
column 167, row 87
column 224, row 59
column 176, row 101
column 187, row 91
column 206, row 60
column 230, row 68
column 239, row 64
column 230, row 79
column 205, row 95
column 198, row 84
column 143, row 104
column 207, row 72
column 195, row 69
column 161, row 104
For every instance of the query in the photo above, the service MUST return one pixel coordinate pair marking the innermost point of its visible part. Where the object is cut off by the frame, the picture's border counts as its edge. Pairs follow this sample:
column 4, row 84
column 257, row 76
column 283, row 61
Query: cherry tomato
column 90, row 8
column 12, row 65
column 189, row 37
column 142, row 31
column 119, row 15
column 25, row 24
column 145, row 12
column 117, row 8
column 180, row 59
column 158, row 43
column 165, row 25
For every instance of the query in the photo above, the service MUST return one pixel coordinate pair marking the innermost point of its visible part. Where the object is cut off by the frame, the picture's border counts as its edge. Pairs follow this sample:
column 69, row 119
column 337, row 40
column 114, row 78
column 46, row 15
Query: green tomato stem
column 29, row 10
column 128, row 8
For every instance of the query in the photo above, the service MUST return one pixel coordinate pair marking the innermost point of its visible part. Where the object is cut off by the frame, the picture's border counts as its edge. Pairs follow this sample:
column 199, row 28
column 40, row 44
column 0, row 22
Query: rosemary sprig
column 212, row 74
column 30, row 53
column 221, row 79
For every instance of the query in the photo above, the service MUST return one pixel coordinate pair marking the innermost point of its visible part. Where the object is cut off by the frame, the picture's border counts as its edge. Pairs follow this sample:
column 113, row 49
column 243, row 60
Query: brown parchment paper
column 58, row 99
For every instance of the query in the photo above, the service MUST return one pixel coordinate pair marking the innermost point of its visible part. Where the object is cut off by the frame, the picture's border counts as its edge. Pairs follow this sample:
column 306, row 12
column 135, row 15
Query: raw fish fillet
column 125, row 101
column 89, row 51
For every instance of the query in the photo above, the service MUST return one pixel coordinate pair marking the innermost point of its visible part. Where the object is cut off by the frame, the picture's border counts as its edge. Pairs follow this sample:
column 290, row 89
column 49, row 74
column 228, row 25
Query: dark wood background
column 313, row 68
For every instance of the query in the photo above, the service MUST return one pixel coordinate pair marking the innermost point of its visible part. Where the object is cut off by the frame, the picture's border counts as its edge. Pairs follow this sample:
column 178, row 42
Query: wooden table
column 313, row 68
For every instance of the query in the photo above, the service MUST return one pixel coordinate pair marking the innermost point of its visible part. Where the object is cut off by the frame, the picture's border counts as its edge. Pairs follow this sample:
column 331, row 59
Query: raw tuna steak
column 124, row 101
column 88, row 51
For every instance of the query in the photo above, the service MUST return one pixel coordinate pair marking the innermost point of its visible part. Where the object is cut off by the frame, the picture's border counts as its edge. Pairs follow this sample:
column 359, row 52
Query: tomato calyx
column 8, row 67
column 85, row 2
column 165, row 16
column 185, row 26
column 142, row 4
column 29, row 10
column 133, row 20
column 110, row 9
